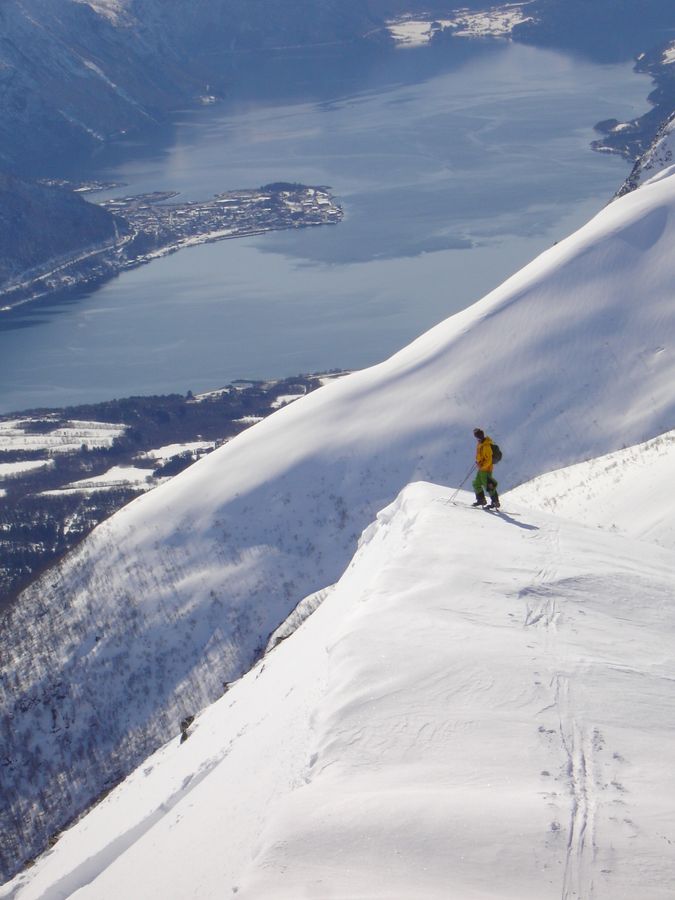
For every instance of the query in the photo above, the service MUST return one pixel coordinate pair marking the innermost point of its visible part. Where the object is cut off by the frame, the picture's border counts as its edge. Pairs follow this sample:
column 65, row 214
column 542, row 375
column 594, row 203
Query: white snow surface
column 497, row 21
column 285, row 399
column 481, row 708
column 626, row 491
column 571, row 358
column 413, row 32
column 165, row 453
column 116, row 476
column 669, row 54
column 12, row 469
column 62, row 439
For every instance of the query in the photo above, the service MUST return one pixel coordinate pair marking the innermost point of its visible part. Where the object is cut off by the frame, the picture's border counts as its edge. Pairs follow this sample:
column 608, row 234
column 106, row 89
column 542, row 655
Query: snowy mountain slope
column 626, row 491
column 570, row 358
column 481, row 708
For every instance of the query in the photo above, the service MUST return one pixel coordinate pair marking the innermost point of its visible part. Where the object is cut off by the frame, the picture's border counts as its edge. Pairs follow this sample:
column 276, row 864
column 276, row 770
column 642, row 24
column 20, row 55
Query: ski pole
column 463, row 482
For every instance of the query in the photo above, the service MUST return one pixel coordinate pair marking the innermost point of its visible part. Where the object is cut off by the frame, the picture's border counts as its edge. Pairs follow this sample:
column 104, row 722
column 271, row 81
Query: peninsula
column 153, row 225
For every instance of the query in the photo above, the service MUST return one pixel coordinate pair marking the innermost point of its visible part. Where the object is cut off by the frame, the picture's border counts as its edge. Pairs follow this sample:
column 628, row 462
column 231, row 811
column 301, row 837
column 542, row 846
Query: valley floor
column 481, row 708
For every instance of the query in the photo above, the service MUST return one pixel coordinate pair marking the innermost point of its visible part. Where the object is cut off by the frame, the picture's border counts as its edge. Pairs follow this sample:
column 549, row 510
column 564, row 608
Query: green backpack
column 496, row 454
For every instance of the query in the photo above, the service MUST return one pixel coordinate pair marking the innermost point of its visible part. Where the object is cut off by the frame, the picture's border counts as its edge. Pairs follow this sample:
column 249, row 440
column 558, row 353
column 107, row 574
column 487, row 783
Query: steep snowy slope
column 482, row 708
column 627, row 491
column 570, row 358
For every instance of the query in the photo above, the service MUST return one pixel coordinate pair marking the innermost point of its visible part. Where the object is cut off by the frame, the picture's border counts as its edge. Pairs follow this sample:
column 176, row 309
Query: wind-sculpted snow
column 453, row 721
column 569, row 359
column 627, row 491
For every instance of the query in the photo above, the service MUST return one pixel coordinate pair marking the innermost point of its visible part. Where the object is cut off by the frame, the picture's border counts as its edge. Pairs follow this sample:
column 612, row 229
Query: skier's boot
column 480, row 499
column 494, row 500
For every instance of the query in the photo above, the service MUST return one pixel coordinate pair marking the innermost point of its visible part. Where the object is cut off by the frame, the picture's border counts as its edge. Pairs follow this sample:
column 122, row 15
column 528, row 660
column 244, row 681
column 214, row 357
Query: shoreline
column 151, row 228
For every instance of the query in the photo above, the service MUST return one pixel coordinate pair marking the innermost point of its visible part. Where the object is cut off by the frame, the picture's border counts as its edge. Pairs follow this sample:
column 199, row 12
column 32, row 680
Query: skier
column 484, row 480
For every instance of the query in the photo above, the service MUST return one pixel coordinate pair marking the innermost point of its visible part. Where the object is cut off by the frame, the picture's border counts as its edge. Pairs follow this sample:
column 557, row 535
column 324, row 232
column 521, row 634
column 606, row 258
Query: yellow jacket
column 484, row 455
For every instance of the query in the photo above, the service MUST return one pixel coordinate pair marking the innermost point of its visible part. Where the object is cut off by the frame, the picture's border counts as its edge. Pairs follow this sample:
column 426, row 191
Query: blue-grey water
column 453, row 173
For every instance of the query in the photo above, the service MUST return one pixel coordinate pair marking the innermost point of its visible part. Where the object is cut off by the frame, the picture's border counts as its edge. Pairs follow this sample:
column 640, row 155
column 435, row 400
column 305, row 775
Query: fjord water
column 454, row 170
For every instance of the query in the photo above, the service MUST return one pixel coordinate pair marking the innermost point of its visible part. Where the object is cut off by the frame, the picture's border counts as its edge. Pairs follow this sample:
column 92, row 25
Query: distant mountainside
column 71, row 77
column 73, row 74
column 613, row 29
column 176, row 595
column 38, row 223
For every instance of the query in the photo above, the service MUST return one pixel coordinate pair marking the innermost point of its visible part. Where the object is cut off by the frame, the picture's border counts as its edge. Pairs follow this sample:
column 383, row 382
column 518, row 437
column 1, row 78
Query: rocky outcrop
column 659, row 156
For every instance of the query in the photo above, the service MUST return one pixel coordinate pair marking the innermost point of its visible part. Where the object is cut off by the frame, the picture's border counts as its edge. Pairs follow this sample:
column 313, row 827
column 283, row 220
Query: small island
column 153, row 225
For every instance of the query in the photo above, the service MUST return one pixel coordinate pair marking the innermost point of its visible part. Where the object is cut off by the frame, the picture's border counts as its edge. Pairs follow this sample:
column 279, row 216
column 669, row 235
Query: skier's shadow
column 512, row 521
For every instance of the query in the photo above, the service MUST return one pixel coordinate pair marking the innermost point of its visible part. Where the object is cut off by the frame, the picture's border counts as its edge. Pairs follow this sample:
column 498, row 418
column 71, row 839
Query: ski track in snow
column 579, row 747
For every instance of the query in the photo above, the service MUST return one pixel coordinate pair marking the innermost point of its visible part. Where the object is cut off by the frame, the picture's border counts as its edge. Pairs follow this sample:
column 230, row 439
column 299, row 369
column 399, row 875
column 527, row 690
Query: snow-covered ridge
column 437, row 728
column 177, row 594
column 627, row 491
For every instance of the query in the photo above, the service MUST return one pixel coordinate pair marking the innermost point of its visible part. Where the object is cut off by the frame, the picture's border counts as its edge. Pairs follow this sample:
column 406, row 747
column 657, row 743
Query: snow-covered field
column 115, row 477
column 249, row 420
column 413, row 32
column 285, row 399
column 482, row 708
column 497, row 21
column 162, row 454
column 65, row 439
column 14, row 469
